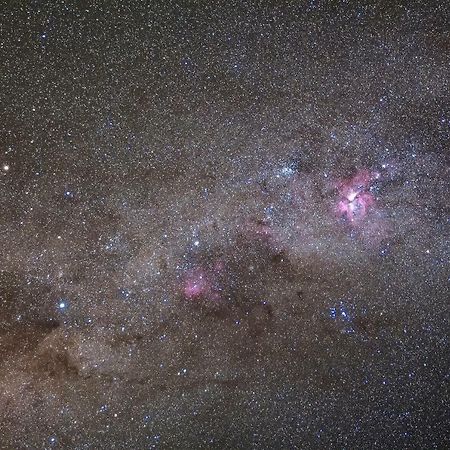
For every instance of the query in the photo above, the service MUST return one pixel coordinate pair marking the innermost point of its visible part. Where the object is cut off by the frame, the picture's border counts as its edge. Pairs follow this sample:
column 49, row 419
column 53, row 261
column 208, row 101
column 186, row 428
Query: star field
column 224, row 225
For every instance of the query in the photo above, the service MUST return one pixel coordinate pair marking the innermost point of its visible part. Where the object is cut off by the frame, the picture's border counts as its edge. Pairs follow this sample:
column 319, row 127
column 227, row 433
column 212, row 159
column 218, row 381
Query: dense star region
column 224, row 224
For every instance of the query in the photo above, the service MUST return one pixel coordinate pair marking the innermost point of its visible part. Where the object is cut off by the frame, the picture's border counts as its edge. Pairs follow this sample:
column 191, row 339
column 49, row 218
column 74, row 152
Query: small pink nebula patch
column 259, row 230
column 355, row 196
column 199, row 283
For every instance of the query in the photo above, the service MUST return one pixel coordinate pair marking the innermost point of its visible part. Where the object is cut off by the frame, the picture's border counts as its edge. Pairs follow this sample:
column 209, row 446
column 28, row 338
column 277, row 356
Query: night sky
column 224, row 225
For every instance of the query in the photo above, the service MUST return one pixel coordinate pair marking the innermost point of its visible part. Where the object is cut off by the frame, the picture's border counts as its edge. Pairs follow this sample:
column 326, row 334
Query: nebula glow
column 355, row 199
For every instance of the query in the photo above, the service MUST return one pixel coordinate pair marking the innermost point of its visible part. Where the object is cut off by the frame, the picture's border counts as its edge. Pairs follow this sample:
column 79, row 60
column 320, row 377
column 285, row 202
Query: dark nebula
column 225, row 225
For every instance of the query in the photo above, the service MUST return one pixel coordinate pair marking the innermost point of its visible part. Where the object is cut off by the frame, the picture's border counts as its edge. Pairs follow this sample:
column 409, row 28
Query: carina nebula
column 356, row 198
column 224, row 225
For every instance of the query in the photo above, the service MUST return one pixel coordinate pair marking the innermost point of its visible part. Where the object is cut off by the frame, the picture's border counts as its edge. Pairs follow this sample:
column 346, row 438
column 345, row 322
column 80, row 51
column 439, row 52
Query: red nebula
column 199, row 283
column 262, row 231
column 355, row 207
column 355, row 196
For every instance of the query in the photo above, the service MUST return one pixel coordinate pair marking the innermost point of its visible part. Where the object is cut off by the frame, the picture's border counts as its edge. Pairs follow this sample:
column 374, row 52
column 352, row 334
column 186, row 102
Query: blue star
column 62, row 304
column 69, row 195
